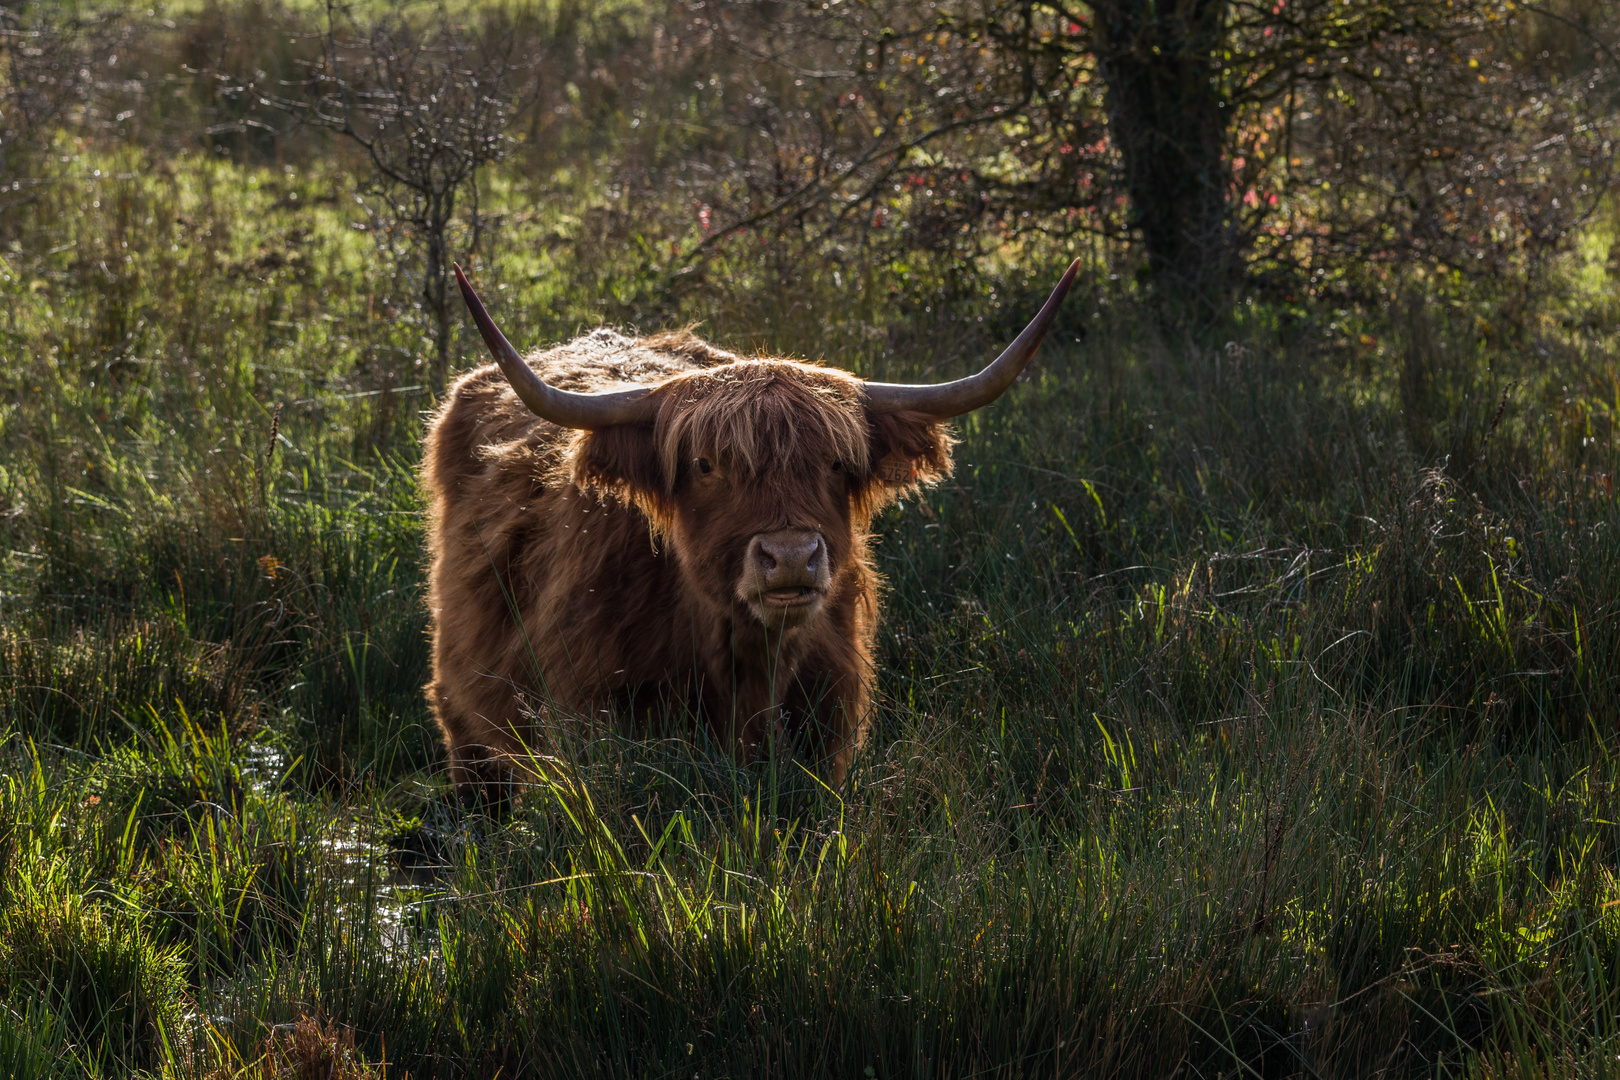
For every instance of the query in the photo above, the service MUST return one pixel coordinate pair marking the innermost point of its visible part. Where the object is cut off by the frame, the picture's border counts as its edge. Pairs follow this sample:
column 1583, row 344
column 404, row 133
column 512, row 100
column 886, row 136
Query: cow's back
column 483, row 427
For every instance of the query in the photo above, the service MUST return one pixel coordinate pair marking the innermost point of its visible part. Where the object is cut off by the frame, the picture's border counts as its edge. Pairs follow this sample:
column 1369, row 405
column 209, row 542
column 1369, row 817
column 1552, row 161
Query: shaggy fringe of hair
column 754, row 416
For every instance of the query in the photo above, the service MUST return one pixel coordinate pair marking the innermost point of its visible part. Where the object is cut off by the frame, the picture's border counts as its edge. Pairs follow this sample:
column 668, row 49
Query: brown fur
column 594, row 572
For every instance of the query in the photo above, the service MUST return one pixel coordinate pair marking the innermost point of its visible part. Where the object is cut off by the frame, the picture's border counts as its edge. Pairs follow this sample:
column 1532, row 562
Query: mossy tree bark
column 1169, row 122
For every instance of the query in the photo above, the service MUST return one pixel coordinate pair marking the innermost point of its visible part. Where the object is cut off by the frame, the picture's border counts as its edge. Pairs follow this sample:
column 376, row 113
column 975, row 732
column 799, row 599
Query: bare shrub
column 431, row 102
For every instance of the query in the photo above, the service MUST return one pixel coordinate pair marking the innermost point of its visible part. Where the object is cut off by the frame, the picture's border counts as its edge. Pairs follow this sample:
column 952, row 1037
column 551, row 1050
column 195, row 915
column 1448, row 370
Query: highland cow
column 652, row 529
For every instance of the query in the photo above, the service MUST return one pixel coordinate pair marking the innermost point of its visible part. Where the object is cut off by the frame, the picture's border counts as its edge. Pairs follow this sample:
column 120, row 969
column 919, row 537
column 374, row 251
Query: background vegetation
column 1248, row 700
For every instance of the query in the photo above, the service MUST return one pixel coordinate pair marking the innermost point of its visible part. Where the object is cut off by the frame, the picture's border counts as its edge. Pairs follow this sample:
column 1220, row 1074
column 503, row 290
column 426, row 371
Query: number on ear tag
column 895, row 470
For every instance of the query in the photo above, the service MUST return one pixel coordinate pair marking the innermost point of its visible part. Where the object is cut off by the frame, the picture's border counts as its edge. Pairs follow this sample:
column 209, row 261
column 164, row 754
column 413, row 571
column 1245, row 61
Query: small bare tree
column 431, row 102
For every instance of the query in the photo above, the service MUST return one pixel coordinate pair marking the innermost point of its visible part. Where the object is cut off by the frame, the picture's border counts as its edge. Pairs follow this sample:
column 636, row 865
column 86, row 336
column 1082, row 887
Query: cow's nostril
column 785, row 559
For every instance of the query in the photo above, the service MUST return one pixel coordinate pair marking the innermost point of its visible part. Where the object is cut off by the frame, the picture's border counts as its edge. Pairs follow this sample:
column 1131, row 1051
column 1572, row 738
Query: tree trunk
column 1158, row 61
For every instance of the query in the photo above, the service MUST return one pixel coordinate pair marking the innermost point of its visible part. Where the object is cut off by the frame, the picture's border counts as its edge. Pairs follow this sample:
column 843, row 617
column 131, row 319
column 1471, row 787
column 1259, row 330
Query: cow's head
column 761, row 473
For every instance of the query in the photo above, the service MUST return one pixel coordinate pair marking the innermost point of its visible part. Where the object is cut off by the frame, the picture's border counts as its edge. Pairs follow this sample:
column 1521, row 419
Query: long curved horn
column 562, row 407
column 945, row 400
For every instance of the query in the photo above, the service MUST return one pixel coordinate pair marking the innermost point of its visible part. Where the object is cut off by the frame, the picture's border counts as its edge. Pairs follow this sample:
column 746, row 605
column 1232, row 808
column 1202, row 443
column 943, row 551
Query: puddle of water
column 261, row 766
column 395, row 885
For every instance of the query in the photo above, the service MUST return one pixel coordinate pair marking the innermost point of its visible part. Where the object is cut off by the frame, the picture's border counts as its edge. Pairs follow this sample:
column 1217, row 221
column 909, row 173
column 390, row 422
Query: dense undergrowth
column 1248, row 703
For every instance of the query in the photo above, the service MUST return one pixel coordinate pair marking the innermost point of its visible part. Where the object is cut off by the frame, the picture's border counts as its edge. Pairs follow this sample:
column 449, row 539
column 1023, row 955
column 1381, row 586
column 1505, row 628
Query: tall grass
column 1246, row 707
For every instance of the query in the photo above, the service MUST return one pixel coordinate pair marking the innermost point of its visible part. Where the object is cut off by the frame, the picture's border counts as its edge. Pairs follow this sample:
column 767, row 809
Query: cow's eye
column 838, row 466
column 703, row 466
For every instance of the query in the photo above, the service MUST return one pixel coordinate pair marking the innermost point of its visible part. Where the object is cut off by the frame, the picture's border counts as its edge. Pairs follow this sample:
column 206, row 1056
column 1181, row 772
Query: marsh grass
column 1246, row 707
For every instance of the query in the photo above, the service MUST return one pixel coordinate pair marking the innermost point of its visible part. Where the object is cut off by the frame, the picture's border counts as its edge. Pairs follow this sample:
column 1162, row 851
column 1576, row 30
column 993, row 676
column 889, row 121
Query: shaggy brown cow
column 652, row 527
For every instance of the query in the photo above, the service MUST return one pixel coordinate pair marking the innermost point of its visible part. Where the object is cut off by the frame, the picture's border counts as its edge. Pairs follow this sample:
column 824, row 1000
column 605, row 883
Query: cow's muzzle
column 785, row 577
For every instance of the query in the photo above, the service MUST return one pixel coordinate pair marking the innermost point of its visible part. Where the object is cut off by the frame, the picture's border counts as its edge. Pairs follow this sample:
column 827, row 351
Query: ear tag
column 895, row 470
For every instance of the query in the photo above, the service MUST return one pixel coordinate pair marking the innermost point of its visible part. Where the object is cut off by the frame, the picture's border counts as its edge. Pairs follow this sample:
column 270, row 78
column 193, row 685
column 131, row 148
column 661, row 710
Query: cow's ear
column 907, row 450
column 621, row 462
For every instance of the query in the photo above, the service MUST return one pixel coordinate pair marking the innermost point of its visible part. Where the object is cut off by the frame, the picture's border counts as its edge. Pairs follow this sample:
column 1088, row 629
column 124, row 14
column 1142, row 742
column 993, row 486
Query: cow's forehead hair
column 763, row 416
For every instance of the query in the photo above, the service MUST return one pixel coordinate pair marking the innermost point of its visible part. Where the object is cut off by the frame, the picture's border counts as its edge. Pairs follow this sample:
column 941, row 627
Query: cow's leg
column 742, row 690
column 464, row 774
column 740, row 710
column 484, row 779
column 828, row 711
column 455, row 731
column 478, row 771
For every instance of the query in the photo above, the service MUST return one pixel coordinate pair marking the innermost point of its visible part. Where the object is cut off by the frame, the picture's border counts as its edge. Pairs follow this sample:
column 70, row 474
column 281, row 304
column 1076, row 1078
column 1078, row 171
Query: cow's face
column 760, row 477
